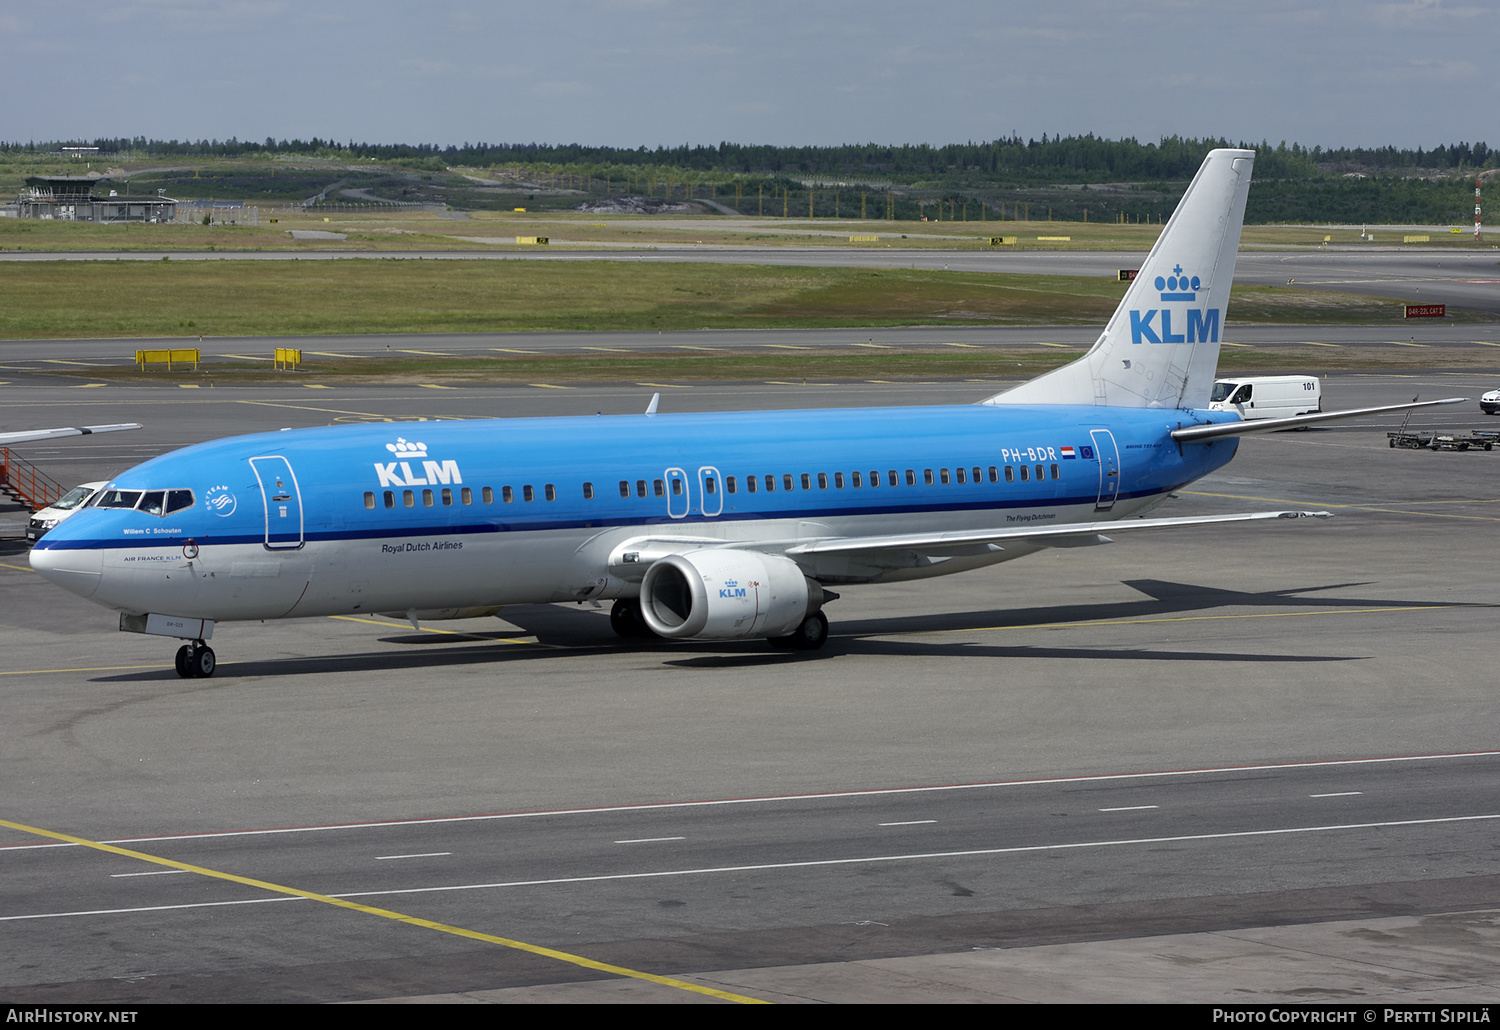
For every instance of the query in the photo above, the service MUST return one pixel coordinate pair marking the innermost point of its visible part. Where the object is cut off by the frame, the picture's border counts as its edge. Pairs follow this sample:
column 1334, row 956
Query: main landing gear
column 625, row 619
column 196, row 659
column 811, row 635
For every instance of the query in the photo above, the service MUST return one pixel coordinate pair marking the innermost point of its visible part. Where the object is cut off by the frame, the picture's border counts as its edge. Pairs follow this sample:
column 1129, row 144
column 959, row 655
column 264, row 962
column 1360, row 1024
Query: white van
column 38, row 525
column 1267, row 396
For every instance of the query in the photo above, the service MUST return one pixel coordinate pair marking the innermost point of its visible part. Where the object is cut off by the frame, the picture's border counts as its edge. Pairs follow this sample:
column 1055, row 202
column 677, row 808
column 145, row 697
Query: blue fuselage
column 465, row 514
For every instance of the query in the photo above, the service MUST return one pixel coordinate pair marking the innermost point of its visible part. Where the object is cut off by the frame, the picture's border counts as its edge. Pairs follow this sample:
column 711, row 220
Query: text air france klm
column 1202, row 326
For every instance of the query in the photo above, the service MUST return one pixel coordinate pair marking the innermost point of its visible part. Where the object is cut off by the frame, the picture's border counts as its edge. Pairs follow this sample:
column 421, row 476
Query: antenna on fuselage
column 651, row 408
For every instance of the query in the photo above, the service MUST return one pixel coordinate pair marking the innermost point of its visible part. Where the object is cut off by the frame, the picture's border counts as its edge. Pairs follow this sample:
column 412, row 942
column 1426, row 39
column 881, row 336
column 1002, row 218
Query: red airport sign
column 1426, row 310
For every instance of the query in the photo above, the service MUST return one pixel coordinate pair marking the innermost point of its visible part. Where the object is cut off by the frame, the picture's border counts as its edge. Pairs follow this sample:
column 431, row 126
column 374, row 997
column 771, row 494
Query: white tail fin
column 1161, row 346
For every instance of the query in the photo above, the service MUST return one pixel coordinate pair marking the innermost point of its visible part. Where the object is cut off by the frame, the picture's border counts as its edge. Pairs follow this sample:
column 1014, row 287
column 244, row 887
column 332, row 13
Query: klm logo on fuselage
column 1202, row 325
column 399, row 473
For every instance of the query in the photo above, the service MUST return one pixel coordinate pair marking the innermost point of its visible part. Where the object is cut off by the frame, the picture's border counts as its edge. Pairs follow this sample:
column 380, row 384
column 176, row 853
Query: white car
column 38, row 525
column 1489, row 403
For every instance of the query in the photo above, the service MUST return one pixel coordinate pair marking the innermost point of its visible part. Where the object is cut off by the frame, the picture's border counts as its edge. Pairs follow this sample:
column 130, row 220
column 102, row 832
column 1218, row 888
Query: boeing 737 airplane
column 697, row 526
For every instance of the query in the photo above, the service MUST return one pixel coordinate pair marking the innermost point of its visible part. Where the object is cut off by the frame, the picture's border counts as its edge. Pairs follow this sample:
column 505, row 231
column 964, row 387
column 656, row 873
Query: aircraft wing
column 1270, row 425
column 27, row 435
column 980, row 541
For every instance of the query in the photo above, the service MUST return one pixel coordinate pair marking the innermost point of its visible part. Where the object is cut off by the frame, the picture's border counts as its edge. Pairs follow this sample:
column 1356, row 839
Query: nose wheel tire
column 196, row 661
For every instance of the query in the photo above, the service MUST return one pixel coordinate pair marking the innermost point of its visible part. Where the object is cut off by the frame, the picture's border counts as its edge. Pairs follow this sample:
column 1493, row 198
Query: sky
column 630, row 73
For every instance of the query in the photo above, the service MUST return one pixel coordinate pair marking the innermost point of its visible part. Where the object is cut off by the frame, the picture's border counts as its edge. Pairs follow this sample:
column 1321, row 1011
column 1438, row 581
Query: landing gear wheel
column 203, row 661
column 625, row 619
column 184, row 656
column 811, row 635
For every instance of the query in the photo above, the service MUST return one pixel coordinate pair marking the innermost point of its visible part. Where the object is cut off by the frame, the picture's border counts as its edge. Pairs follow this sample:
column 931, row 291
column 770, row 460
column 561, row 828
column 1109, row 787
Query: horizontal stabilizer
column 26, row 435
column 1191, row 434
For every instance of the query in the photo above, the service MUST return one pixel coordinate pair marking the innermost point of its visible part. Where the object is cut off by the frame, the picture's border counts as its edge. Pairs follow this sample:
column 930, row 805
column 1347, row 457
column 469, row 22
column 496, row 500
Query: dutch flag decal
column 1067, row 452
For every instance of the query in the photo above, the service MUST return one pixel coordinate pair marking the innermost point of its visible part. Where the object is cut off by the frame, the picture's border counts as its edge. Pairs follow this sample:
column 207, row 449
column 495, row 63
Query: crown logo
column 1178, row 286
column 402, row 449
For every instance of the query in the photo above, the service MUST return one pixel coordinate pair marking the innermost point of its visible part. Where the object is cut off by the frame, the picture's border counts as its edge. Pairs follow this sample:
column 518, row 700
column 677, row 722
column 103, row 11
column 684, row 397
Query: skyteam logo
column 219, row 500
column 399, row 472
column 1202, row 326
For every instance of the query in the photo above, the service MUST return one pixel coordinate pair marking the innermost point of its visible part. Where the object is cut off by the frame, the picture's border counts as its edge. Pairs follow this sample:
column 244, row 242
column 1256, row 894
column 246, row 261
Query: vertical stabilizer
column 1161, row 346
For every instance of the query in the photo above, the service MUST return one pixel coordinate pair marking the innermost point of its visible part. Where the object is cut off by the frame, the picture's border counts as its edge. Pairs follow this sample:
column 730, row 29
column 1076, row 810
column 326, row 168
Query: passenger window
column 1056, row 474
column 640, row 488
column 447, row 497
column 507, row 495
column 625, row 487
column 786, row 482
column 750, row 483
column 911, row 477
column 488, row 495
column 1010, row 474
column 895, row 479
column 854, row 480
column 588, row 491
column 528, row 494
column 177, row 500
column 978, row 474
column 1025, row 474
column 729, row 484
column 943, row 475
column 927, row 476
column 994, row 474
column 370, row 500
column 770, row 484
column 1041, row 473
column 960, row 474
column 390, row 499
column 806, row 481
column 467, row 496
column 708, row 484
column 408, row 498
column 427, row 498
column 676, row 487
column 551, row 492
column 822, row 480
column 659, row 487
column 838, row 480
column 874, row 477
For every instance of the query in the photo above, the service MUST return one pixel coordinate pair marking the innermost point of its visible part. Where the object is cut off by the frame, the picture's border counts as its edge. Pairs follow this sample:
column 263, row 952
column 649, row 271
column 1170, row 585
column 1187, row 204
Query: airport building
column 81, row 198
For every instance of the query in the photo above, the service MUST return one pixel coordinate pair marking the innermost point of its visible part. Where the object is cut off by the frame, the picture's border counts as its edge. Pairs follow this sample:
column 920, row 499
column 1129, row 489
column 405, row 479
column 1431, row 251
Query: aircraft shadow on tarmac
column 566, row 632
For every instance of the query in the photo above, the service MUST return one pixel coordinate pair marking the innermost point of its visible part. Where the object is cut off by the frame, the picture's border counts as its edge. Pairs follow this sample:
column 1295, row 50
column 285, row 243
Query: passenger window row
column 891, row 477
column 753, row 484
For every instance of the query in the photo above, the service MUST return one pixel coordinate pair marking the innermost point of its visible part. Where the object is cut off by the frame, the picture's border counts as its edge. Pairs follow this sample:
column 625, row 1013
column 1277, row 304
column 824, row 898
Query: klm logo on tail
column 1202, row 326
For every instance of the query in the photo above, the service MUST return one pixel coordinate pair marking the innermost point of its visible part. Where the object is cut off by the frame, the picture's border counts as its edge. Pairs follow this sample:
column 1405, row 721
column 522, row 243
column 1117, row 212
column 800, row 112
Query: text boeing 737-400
column 697, row 526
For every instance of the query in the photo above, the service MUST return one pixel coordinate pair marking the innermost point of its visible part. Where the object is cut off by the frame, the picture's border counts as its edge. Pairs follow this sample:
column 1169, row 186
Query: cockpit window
column 152, row 502
column 118, row 498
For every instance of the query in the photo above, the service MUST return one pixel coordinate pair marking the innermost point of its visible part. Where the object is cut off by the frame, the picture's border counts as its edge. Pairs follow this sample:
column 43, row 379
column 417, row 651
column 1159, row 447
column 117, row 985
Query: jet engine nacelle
column 720, row 594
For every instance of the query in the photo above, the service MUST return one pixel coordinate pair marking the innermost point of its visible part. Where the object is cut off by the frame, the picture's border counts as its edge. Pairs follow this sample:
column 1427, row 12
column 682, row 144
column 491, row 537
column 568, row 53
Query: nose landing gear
column 195, row 660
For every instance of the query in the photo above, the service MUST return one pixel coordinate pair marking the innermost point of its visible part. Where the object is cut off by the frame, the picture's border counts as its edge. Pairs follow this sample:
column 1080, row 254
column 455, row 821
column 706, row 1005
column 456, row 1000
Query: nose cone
column 76, row 569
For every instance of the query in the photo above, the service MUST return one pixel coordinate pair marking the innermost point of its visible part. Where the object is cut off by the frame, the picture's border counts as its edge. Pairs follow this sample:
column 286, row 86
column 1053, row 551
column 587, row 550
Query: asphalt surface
column 1220, row 764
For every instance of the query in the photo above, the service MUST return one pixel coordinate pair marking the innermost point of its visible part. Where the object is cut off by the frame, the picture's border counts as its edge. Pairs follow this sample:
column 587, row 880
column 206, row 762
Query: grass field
column 64, row 300
column 386, row 231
